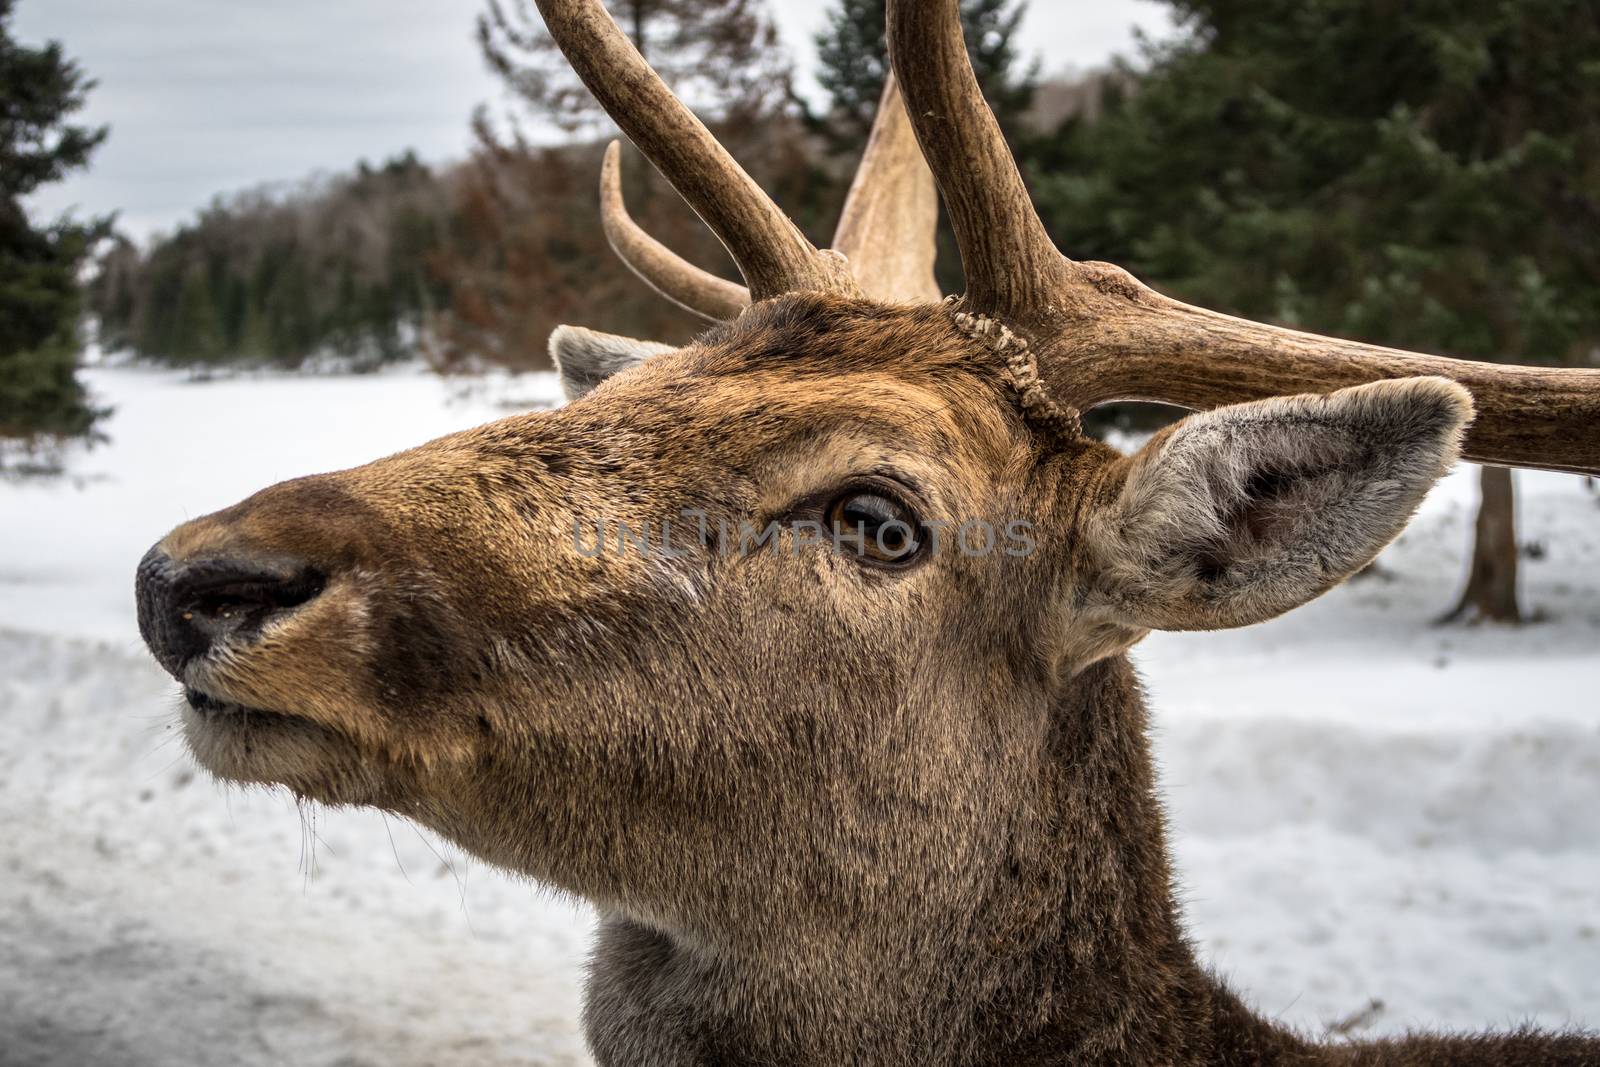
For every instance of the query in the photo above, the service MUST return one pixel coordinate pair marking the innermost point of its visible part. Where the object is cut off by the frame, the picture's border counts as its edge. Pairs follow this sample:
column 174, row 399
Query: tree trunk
column 1491, row 592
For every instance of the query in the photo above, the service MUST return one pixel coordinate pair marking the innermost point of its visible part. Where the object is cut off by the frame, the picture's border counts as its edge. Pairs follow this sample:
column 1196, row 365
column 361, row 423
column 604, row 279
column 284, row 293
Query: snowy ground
column 1365, row 807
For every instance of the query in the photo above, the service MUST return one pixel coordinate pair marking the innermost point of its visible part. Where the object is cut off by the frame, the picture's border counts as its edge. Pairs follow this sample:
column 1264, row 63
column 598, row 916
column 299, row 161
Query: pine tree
column 1422, row 175
column 340, row 264
column 39, row 297
column 199, row 324
column 853, row 62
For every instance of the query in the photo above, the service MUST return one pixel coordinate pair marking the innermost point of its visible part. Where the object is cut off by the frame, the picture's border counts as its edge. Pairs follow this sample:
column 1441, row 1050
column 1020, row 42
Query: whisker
column 393, row 848
column 461, row 886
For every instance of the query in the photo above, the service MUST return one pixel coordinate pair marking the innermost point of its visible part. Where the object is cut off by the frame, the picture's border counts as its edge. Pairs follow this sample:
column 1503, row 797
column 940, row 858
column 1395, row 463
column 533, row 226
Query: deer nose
column 187, row 607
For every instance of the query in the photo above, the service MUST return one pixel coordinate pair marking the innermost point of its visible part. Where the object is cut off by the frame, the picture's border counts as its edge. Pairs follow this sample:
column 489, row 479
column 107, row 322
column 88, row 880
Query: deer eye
column 875, row 528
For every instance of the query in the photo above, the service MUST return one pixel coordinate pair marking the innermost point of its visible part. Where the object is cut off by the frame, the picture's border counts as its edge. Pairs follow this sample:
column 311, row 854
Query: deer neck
column 1071, row 953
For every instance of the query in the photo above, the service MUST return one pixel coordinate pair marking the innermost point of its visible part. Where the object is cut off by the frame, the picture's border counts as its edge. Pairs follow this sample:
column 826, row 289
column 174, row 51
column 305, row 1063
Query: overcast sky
column 206, row 97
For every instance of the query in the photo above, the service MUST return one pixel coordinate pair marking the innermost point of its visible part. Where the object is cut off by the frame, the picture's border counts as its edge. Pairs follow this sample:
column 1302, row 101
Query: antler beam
column 1012, row 266
column 772, row 253
column 1100, row 335
column 1155, row 348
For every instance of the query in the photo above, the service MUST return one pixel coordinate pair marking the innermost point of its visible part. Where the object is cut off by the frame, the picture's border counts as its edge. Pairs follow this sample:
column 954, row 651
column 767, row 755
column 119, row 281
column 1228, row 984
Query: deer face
column 856, row 581
column 440, row 633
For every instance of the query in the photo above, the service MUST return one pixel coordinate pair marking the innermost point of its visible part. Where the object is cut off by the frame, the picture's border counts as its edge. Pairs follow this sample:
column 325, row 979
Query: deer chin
column 258, row 746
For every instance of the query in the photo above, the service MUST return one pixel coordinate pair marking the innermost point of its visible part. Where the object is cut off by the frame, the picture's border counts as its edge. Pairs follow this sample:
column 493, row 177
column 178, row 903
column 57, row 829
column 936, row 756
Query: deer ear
column 1236, row 515
column 585, row 358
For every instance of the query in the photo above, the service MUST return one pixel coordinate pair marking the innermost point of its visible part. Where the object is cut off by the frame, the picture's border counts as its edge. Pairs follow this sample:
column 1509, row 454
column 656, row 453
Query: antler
column 1100, row 335
column 772, row 253
column 886, row 231
column 890, row 220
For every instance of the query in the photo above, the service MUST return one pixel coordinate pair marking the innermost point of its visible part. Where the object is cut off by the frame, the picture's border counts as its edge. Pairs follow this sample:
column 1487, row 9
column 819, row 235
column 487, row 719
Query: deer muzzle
column 186, row 608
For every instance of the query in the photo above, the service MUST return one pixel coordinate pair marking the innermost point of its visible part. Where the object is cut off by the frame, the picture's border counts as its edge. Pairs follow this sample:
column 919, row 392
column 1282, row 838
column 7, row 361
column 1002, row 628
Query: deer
column 846, row 792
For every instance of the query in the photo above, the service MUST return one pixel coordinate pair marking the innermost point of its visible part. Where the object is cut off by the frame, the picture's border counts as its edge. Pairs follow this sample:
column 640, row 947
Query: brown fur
column 829, row 814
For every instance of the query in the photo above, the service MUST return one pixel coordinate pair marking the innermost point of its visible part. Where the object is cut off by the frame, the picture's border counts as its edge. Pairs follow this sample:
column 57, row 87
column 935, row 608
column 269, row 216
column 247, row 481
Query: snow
column 1365, row 807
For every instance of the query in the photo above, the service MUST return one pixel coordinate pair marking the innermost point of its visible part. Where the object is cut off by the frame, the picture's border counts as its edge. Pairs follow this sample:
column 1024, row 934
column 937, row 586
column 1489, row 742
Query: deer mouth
column 228, row 737
column 211, row 709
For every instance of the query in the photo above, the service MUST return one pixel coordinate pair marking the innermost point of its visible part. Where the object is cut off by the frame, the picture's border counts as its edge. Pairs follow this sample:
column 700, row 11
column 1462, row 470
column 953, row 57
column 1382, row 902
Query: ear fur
column 585, row 358
column 1237, row 515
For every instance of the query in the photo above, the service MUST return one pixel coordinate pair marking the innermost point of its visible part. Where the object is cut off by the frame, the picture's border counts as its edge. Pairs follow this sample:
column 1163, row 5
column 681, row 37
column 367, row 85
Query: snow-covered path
column 1365, row 806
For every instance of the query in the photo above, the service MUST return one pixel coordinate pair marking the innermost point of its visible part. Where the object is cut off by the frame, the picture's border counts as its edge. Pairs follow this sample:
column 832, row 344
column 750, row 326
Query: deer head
column 834, row 726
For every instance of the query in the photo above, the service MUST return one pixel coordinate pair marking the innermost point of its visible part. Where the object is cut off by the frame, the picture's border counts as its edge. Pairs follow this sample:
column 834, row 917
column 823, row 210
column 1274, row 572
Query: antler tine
column 890, row 219
column 662, row 269
column 772, row 253
column 1012, row 266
